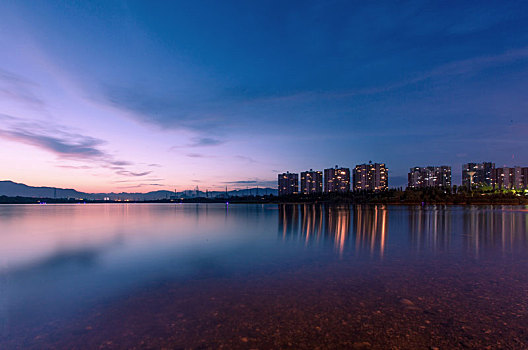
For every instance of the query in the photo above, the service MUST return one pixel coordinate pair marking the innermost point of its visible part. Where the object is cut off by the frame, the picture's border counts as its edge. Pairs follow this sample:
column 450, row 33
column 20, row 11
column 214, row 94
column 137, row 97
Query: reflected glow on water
column 366, row 225
column 60, row 260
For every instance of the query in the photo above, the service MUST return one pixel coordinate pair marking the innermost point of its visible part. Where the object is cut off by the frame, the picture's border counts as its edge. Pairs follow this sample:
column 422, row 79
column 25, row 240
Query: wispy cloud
column 73, row 146
column 121, row 163
column 17, row 88
column 131, row 173
column 257, row 182
column 64, row 143
column 198, row 155
column 448, row 70
column 205, row 141
column 451, row 69
column 246, row 159
column 200, row 142
column 79, row 167
column 166, row 111
column 135, row 180
column 142, row 185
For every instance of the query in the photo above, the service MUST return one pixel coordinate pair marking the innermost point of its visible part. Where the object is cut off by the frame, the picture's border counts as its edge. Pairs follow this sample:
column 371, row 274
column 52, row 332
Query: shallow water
column 263, row 276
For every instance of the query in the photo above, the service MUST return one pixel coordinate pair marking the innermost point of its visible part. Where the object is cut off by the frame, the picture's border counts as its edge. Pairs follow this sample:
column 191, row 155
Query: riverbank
column 278, row 200
column 392, row 197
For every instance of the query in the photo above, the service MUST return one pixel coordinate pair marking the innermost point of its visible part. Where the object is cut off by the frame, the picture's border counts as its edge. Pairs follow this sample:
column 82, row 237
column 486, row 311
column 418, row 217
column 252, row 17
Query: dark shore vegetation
column 455, row 195
column 416, row 196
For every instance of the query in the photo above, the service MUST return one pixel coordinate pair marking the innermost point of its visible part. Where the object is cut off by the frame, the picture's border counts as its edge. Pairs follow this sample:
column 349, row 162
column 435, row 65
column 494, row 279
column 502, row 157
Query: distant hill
column 13, row 189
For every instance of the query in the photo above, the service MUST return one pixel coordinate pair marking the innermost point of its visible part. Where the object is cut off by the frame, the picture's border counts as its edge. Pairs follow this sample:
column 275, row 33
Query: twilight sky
column 139, row 96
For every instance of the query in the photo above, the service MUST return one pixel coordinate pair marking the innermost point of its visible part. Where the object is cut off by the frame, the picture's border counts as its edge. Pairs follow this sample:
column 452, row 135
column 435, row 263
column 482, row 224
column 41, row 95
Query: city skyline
column 375, row 177
column 138, row 96
column 491, row 179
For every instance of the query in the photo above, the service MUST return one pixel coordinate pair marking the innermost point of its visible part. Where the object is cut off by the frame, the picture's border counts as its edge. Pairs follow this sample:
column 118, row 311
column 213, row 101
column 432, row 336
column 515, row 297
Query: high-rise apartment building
column 431, row 176
column 311, row 182
column 336, row 180
column 288, row 183
column 477, row 174
column 510, row 178
column 371, row 176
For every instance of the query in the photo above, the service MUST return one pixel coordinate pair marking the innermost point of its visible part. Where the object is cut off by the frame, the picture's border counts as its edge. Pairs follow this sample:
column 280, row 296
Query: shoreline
column 239, row 200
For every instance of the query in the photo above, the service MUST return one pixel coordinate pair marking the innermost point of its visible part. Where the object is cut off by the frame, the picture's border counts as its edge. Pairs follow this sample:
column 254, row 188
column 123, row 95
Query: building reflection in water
column 431, row 228
column 371, row 225
column 362, row 227
column 465, row 230
column 503, row 229
column 473, row 229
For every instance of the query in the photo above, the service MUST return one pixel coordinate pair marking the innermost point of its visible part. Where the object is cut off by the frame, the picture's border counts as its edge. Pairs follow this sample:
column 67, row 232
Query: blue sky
column 146, row 95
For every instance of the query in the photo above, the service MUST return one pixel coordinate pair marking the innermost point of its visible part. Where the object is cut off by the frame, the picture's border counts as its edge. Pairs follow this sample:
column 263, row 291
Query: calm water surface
column 263, row 276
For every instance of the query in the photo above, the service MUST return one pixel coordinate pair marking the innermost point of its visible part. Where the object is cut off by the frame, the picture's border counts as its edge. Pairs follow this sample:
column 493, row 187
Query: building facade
column 337, row 180
column 477, row 174
column 311, row 182
column 288, row 183
column 510, row 178
column 371, row 176
column 431, row 176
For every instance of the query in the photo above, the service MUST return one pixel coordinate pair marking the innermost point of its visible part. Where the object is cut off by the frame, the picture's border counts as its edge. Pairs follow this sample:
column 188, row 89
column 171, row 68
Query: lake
column 113, row 276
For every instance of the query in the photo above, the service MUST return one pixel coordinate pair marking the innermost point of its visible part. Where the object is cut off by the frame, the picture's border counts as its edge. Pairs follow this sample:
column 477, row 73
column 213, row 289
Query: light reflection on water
column 367, row 226
column 433, row 229
column 57, row 259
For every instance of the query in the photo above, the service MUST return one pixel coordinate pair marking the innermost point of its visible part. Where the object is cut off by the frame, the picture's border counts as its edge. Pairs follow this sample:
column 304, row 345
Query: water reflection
column 473, row 230
column 504, row 230
column 363, row 228
column 371, row 228
column 77, row 255
column 431, row 229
